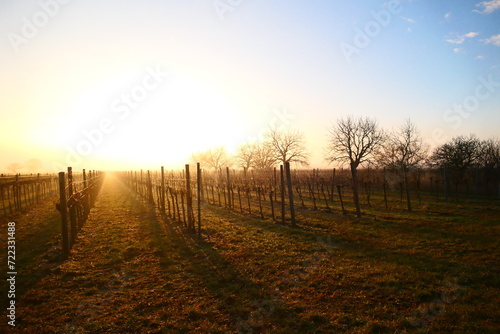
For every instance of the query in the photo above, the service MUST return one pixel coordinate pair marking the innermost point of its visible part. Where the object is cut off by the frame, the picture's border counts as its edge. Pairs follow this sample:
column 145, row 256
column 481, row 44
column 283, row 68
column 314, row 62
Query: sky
column 120, row 85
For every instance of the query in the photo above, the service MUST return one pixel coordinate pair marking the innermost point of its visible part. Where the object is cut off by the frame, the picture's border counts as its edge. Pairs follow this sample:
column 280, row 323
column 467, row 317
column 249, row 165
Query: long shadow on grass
column 359, row 246
column 37, row 255
column 427, row 226
column 251, row 307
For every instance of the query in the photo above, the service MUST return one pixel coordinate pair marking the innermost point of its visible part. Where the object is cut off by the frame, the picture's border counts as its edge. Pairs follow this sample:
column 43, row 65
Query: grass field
column 434, row 270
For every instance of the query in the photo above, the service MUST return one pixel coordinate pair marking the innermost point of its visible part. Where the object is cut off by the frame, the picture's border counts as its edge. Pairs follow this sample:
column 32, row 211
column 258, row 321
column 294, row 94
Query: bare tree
column 287, row 145
column 403, row 149
column 255, row 155
column 264, row 156
column 245, row 155
column 216, row 157
column 354, row 140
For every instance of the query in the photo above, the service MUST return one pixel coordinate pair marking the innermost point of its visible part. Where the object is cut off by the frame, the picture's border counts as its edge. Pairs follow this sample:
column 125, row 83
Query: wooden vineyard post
column 150, row 189
column 248, row 201
column 339, row 190
column 432, row 184
column 272, row 205
column 259, row 191
column 445, row 181
column 239, row 199
column 333, row 185
column 175, row 204
column 37, row 189
column 72, row 213
column 198, row 174
column 228, row 189
column 3, row 201
column 162, row 191
column 325, row 198
column 27, row 201
column 407, row 186
column 367, row 191
column 141, row 193
column 203, row 191
column 275, row 179
column 418, row 187
column 184, row 220
column 232, row 196
column 385, row 190
column 17, row 194
column 189, row 200
column 218, row 195
column 8, row 200
column 282, row 180
column 401, row 191
column 213, row 194
column 84, row 179
column 167, row 189
column 290, row 191
column 299, row 192
column 85, row 199
column 63, row 208
column 205, row 194
column 311, row 191
column 136, row 183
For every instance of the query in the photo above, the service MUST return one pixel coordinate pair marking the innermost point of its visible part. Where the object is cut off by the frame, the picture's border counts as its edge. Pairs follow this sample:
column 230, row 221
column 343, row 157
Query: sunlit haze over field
column 116, row 85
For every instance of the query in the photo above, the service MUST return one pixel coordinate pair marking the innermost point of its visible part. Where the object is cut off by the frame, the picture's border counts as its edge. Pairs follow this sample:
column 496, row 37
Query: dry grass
column 434, row 270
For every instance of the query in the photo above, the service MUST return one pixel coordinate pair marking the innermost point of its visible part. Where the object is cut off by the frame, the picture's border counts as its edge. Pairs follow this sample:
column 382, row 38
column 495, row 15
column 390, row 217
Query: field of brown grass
column 434, row 270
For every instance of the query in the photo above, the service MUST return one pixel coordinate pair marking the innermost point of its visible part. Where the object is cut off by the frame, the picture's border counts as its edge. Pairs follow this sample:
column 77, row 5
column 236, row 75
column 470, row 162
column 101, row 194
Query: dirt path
column 124, row 275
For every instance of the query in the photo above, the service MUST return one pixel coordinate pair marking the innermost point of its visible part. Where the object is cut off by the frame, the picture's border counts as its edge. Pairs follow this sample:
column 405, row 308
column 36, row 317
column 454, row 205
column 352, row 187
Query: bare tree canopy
column 354, row 140
column 215, row 158
column 403, row 148
column 245, row 155
column 288, row 145
column 264, row 156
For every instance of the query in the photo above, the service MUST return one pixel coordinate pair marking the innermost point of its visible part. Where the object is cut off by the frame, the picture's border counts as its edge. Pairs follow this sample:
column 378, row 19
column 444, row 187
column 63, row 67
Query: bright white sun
column 181, row 115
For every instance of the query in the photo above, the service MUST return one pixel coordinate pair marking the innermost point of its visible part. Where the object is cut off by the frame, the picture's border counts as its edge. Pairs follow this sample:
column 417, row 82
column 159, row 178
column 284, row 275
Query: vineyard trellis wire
column 77, row 195
column 270, row 194
column 172, row 192
column 20, row 192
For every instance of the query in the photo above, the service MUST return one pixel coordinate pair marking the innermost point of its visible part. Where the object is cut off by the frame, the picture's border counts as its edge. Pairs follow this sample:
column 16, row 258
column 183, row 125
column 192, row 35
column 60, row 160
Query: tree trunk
column 405, row 175
column 354, row 173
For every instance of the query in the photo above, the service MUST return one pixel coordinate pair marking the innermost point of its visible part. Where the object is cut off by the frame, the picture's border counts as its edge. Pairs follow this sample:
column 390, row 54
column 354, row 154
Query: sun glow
column 163, row 124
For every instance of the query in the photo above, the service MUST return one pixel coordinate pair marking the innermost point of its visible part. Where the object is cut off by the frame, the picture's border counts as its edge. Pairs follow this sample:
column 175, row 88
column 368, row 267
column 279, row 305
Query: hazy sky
column 140, row 84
